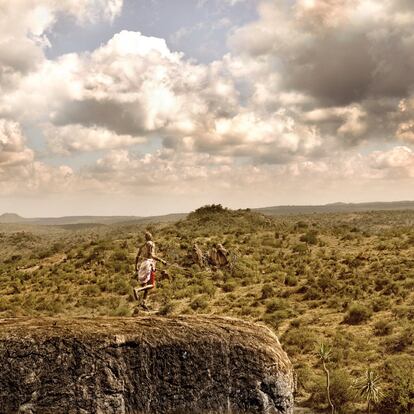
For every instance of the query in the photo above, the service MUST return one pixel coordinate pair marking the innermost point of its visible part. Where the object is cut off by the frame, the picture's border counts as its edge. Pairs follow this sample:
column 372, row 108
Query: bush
column 299, row 340
column 275, row 305
column 310, row 237
column 119, row 256
column 300, row 248
column 229, row 286
column 340, row 391
column 401, row 341
column 305, row 377
column 357, row 314
column 267, row 291
column 312, row 293
column 380, row 303
column 272, row 319
column 167, row 308
column 121, row 310
column 208, row 287
column 199, row 303
column 399, row 397
column 383, row 328
column 291, row 280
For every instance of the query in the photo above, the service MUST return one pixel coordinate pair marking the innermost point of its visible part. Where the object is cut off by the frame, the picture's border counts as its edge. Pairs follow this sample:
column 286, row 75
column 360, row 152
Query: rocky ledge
column 142, row 365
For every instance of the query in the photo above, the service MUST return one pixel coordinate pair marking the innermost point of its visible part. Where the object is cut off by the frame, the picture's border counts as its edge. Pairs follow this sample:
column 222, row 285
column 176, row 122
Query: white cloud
column 302, row 91
column 397, row 162
column 71, row 139
column 351, row 56
column 13, row 150
column 20, row 172
column 24, row 25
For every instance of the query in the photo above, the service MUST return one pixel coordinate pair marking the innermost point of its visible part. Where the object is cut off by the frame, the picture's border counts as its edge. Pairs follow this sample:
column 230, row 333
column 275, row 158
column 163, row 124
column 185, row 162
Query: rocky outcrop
column 142, row 365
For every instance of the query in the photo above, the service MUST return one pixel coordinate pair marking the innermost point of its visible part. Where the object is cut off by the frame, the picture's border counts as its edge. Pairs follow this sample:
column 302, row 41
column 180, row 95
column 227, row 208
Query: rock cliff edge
column 142, row 365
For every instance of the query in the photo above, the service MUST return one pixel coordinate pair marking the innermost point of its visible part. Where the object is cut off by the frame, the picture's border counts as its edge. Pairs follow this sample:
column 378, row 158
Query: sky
column 147, row 107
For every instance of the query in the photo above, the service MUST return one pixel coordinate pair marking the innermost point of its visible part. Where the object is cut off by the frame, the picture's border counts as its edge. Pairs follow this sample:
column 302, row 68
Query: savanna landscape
column 337, row 288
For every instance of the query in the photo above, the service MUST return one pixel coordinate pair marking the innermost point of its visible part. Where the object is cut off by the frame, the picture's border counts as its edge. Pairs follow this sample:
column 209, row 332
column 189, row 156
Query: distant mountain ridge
column 11, row 218
column 16, row 219
column 339, row 207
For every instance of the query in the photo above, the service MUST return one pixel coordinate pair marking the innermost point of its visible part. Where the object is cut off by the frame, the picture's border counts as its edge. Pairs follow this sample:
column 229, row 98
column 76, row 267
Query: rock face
column 142, row 365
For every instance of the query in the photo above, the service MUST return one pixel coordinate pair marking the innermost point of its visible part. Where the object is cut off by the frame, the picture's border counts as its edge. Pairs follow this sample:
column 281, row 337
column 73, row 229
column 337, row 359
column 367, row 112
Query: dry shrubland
column 345, row 280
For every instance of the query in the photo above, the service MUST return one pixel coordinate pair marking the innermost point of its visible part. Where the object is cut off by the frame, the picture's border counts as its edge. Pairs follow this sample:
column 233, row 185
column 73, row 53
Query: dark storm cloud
column 122, row 119
column 335, row 55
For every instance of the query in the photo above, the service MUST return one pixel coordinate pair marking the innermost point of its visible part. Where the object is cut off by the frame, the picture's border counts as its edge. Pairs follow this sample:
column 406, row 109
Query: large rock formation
column 143, row 365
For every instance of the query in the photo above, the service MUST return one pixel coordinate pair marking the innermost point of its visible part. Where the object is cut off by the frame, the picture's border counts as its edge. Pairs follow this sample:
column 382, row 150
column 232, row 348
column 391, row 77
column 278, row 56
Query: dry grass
column 303, row 293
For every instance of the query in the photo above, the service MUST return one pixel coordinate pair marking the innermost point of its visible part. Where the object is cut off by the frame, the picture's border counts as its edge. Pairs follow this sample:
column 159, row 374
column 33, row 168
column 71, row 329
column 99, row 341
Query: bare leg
column 144, row 300
column 145, row 296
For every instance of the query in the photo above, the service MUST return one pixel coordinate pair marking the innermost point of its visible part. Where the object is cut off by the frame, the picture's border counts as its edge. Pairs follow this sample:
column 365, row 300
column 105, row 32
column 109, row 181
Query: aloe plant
column 369, row 388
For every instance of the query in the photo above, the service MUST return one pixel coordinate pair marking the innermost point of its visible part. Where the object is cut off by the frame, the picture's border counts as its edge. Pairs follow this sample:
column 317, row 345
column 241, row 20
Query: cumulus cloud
column 13, row 150
column 293, row 103
column 397, row 162
column 25, row 24
column 169, row 174
column 350, row 59
column 340, row 52
column 134, row 86
column 71, row 139
column 19, row 170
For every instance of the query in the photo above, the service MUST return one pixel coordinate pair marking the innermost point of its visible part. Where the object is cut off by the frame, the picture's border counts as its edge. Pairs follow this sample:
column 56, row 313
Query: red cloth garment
column 152, row 279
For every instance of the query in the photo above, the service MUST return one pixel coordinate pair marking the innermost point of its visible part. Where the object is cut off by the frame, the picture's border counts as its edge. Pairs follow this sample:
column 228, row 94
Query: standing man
column 146, row 272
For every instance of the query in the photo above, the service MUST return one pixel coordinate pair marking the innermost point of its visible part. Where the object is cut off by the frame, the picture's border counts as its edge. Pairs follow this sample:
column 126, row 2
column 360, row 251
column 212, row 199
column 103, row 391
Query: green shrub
column 357, row 314
column 167, row 308
column 122, row 287
column 299, row 340
column 310, row 237
column 274, row 319
column 291, row 280
column 399, row 395
column 119, row 256
column 208, row 287
column 229, row 286
column 402, row 341
column 121, row 310
column 383, row 328
column 300, row 248
column 305, row 378
column 295, row 323
column 92, row 290
column 275, row 305
column 312, row 293
column 199, row 303
column 380, row 303
column 341, row 391
column 267, row 291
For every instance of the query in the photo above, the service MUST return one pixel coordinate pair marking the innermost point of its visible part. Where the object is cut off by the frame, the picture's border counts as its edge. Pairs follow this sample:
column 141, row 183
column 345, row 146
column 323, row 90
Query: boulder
column 186, row 364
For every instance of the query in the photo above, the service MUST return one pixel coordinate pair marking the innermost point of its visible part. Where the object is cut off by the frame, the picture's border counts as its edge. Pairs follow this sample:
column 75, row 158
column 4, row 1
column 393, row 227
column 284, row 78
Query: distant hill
column 12, row 218
column 16, row 219
column 336, row 208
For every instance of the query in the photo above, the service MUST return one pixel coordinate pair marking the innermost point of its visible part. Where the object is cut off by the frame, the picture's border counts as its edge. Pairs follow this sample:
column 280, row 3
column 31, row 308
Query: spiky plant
column 369, row 388
column 324, row 354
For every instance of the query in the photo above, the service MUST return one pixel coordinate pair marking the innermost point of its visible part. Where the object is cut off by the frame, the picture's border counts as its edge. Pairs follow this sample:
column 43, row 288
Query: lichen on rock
column 142, row 365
